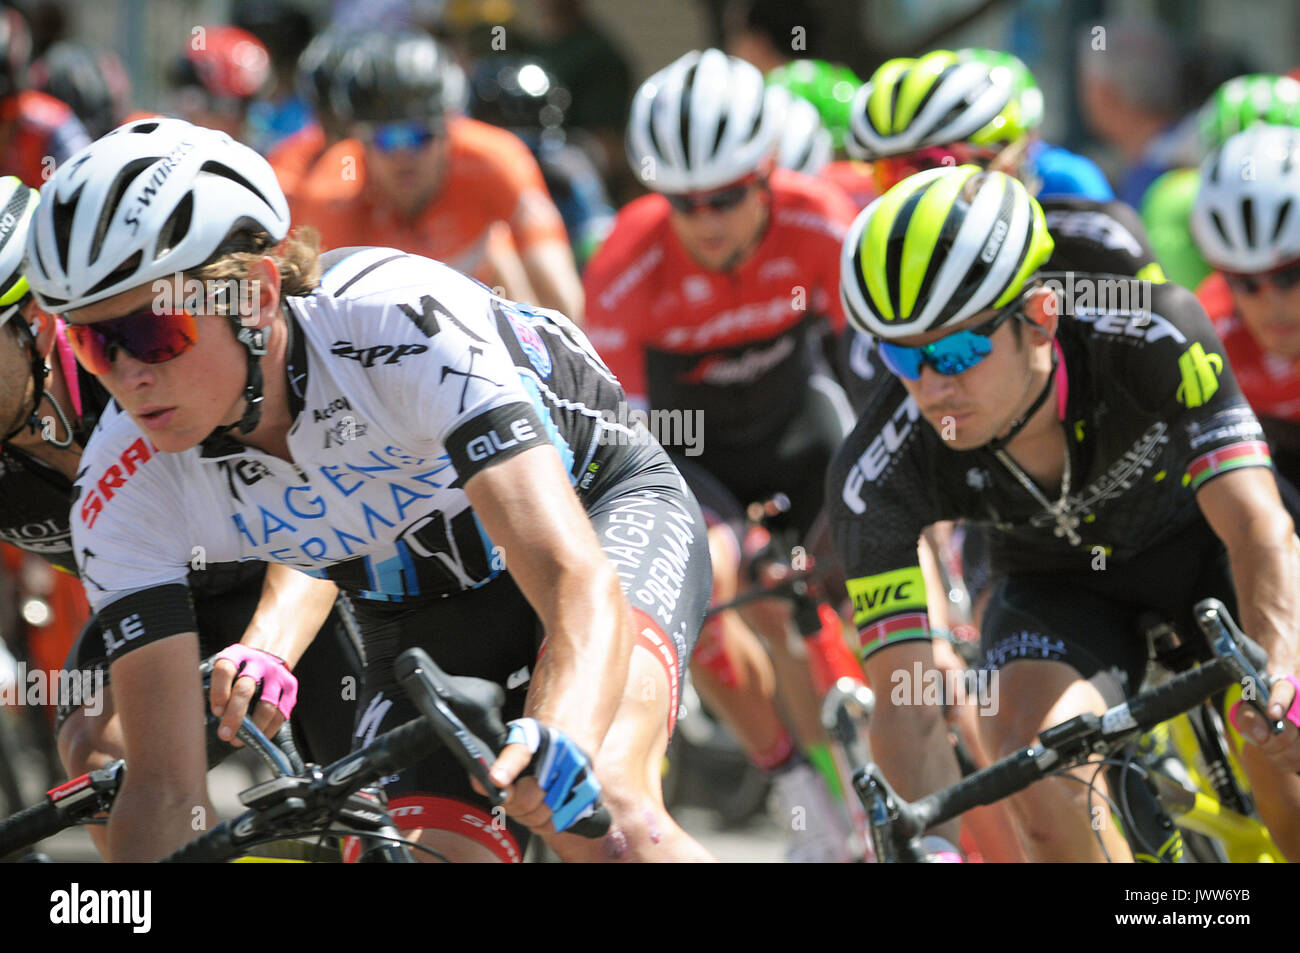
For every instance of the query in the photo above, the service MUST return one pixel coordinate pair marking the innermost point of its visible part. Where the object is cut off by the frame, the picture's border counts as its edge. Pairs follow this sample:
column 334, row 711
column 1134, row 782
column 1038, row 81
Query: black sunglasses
column 723, row 200
column 1283, row 279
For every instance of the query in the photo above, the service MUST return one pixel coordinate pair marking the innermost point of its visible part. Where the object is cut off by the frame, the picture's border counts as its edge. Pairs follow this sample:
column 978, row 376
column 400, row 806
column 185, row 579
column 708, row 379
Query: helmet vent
column 127, row 269
column 218, row 168
column 63, row 214
column 1282, row 215
column 1248, row 220
column 112, row 201
column 684, row 117
column 1218, row 227
column 176, row 227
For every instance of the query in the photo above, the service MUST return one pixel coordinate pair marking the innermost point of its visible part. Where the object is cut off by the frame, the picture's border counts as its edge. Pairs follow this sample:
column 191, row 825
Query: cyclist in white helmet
column 1246, row 222
column 709, row 300
column 442, row 454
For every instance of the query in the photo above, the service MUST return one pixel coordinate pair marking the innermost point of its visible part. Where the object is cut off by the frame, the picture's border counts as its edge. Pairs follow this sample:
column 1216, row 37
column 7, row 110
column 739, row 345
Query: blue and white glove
column 561, row 768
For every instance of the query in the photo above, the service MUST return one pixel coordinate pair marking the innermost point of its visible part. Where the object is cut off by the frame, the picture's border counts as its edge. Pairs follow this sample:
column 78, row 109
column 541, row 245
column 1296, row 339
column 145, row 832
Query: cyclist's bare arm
column 1245, row 511
column 554, row 277
column 164, row 800
column 527, row 506
column 290, row 612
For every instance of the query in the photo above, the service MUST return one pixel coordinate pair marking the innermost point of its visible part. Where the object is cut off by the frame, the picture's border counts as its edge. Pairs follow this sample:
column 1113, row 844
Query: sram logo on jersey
column 367, row 356
column 132, row 458
column 490, row 444
column 879, row 453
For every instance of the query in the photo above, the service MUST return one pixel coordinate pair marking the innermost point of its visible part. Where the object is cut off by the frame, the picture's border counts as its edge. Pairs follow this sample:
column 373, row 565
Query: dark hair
column 777, row 20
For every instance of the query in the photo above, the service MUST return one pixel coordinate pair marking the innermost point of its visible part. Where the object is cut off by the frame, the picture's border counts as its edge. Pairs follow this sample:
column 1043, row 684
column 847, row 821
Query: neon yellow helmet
column 938, row 248
column 17, row 203
column 938, row 99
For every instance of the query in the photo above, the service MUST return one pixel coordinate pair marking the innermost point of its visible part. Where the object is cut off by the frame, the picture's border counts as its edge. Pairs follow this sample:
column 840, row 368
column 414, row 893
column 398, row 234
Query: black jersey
column 1151, row 412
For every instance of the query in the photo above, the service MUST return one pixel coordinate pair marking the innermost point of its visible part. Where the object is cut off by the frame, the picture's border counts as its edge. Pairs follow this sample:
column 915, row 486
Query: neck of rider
column 1038, row 447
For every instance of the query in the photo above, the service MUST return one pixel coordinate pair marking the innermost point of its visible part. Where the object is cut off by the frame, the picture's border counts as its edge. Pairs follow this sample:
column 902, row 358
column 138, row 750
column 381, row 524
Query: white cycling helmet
column 17, row 203
column 805, row 144
column 1247, row 212
column 700, row 123
column 151, row 198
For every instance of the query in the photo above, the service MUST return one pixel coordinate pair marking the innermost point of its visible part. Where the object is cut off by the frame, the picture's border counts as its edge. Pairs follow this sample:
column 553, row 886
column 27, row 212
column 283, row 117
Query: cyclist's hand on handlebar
column 1282, row 749
column 559, row 786
column 237, row 671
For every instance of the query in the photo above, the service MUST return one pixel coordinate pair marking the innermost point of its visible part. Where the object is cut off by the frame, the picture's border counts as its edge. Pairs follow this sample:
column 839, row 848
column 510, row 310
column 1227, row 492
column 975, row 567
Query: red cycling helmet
column 227, row 62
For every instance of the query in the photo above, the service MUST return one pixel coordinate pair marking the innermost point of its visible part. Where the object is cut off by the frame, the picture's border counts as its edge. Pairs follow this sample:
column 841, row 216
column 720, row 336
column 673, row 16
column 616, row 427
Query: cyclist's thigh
column 652, row 530
column 1052, row 617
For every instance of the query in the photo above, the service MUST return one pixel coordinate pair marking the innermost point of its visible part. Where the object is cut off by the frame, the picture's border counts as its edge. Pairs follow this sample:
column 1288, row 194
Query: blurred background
column 1176, row 51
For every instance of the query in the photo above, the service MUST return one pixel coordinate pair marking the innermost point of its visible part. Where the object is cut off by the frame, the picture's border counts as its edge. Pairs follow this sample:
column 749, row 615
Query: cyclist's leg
column 667, row 606
column 729, row 668
column 1059, row 650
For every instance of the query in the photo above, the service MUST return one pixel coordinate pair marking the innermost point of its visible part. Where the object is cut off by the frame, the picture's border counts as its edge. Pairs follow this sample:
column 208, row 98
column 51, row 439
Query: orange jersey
column 854, row 178
column 491, row 177
column 293, row 156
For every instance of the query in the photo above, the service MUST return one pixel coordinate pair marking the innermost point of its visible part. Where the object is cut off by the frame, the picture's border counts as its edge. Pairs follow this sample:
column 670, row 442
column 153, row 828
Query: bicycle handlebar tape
column 999, row 780
column 30, row 825
column 1176, row 695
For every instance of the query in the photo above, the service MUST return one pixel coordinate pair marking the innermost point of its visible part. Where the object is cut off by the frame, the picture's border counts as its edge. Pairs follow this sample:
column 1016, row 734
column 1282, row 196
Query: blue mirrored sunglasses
column 954, row 354
column 403, row 136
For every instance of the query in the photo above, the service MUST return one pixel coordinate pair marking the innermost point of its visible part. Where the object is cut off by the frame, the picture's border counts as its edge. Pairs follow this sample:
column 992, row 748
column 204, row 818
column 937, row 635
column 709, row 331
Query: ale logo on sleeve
column 1200, row 376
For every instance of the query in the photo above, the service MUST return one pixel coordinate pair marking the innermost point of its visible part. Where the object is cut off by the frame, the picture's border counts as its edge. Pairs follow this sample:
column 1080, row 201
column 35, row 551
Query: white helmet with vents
column 151, row 198
column 1247, row 212
column 805, row 144
column 700, row 123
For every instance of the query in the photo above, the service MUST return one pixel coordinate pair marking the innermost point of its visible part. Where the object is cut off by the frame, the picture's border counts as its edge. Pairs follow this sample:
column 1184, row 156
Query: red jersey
column 1270, row 383
column 733, row 344
column 292, row 157
column 45, row 132
column 854, row 178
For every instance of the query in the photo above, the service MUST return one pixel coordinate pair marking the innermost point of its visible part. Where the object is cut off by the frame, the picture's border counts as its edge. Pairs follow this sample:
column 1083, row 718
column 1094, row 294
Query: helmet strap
column 254, row 341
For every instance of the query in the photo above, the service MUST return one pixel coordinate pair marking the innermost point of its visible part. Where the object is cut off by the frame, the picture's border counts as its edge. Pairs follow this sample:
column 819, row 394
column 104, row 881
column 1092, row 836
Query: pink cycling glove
column 1292, row 716
column 279, row 687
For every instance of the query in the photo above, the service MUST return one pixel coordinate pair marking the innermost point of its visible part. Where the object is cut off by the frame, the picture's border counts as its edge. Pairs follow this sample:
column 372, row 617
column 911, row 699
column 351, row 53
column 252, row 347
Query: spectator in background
column 91, row 82
column 294, row 156
column 37, row 132
column 1131, row 83
column 771, row 33
column 447, row 187
column 597, row 76
column 517, row 94
column 285, row 29
column 216, row 80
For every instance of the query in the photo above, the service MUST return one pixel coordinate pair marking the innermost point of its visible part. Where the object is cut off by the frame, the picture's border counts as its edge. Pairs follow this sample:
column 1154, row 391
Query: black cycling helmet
column 72, row 73
column 316, row 69
column 517, row 93
column 15, row 52
column 283, row 26
column 391, row 77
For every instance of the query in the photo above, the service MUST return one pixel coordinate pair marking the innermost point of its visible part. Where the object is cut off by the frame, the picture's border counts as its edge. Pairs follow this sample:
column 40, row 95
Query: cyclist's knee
column 87, row 743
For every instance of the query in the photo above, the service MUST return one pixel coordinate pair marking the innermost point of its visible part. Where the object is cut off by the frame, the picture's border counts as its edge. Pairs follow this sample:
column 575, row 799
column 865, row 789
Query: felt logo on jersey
column 490, row 444
column 889, row 593
column 879, row 453
column 367, row 356
column 335, row 405
column 132, row 458
column 1200, row 373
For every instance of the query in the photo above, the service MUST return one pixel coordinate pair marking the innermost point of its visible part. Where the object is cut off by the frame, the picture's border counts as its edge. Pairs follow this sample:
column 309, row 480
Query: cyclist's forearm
column 290, row 612
column 579, row 679
column 1265, row 567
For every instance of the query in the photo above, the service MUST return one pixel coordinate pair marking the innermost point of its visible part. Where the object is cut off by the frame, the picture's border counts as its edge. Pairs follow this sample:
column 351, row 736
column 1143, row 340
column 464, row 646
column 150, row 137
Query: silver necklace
column 1066, row 522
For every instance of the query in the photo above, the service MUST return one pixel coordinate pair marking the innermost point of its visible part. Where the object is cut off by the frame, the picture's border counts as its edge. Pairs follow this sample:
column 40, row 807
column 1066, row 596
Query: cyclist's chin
column 961, row 431
column 172, row 430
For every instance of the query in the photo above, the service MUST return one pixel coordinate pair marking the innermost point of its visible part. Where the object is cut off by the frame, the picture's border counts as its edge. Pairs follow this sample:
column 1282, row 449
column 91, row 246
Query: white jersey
column 405, row 378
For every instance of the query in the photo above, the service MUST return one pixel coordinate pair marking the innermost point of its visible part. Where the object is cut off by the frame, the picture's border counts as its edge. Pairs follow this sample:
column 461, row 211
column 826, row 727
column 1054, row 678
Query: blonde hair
column 297, row 258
